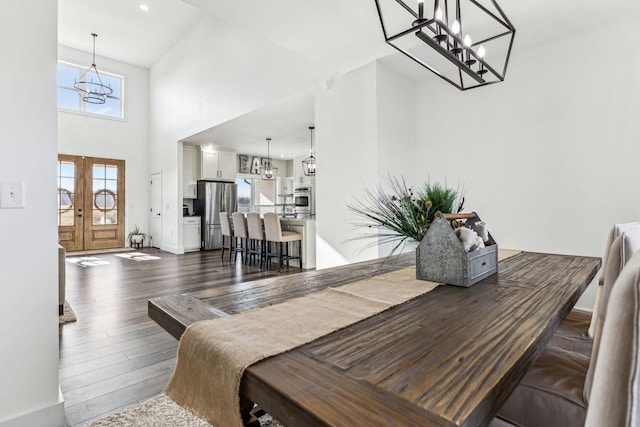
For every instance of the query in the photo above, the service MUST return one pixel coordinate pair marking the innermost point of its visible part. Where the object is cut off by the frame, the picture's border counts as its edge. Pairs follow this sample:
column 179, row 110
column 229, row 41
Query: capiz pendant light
column 309, row 164
column 93, row 92
column 267, row 171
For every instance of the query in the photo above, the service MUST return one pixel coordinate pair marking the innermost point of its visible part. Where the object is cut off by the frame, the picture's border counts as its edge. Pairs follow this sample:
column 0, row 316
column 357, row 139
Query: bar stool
column 227, row 231
column 240, row 232
column 256, row 237
column 274, row 234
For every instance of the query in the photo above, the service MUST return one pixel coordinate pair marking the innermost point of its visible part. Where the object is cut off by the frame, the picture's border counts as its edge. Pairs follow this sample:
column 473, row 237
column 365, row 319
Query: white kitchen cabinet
column 191, row 233
column 189, row 171
column 218, row 165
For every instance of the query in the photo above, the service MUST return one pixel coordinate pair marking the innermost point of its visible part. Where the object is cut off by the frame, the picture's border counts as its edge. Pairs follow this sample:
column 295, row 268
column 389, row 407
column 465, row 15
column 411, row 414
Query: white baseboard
column 172, row 249
column 585, row 309
column 49, row 416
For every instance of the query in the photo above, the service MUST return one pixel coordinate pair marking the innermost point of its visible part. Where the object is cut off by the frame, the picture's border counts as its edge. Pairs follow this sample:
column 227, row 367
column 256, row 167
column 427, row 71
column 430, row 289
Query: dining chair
column 613, row 400
column 577, row 330
column 274, row 235
column 227, row 231
column 556, row 390
column 256, row 237
column 241, row 235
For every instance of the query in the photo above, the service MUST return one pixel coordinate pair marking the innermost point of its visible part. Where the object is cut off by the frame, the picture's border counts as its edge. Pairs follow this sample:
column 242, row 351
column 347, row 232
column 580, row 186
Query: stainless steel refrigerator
column 214, row 197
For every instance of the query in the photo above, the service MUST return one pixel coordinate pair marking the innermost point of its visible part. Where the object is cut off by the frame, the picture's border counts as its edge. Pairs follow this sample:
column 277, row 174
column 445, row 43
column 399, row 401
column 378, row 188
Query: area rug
column 161, row 411
column 138, row 256
column 68, row 315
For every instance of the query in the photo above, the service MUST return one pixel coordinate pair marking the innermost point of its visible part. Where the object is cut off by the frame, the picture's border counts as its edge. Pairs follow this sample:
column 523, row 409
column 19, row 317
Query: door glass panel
column 111, row 172
column 66, row 218
column 66, row 179
column 105, row 194
column 98, row 171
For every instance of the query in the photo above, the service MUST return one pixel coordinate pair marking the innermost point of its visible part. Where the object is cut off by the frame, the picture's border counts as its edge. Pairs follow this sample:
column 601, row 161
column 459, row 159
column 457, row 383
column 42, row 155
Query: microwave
column 302, row 199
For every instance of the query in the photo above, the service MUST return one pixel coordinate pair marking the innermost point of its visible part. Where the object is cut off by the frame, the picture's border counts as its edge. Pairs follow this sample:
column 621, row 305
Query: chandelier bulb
column 438, row 14
column 481, row 51
column 455, row 27
column 467, row 40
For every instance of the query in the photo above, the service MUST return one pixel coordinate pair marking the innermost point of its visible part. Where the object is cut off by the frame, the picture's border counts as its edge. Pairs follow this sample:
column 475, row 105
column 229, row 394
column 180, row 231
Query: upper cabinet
column 218, row 165
column 190, row 172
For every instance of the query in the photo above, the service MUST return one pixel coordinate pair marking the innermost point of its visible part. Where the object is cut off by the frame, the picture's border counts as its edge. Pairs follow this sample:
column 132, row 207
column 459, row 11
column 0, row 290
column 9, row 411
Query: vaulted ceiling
column 339, row 35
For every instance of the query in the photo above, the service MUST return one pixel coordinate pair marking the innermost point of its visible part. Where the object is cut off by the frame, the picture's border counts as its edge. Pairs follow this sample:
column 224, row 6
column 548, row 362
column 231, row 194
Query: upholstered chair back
column 615, row 231
column 239, row 225
column 615, row 398
column 256, row 231
column 225, row 224
column 272, row 227
column 622, row 249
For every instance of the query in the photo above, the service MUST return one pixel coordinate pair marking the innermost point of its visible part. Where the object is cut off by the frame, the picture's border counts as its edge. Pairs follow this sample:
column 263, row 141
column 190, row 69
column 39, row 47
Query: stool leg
column 300, row 252
column 286, row 248
column 279, row 256
column 235, row 254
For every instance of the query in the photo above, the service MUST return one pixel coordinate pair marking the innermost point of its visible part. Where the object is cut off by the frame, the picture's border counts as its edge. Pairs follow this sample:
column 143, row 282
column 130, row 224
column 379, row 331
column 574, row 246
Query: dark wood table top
column 448, row 358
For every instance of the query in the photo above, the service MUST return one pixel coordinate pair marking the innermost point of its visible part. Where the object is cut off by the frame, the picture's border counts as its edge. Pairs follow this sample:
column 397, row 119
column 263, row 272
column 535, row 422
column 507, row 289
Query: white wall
column 215, row 73
column 126, row 140
column 550, row 156
column 28, row 318
column 365, row 124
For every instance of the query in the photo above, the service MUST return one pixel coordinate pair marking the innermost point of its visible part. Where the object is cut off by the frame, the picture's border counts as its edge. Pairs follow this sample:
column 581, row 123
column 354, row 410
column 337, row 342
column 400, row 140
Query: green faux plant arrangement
column 403, row 215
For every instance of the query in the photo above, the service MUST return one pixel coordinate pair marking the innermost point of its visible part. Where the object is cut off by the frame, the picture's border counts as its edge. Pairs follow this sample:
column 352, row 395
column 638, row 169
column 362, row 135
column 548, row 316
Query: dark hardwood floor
column 114, row 356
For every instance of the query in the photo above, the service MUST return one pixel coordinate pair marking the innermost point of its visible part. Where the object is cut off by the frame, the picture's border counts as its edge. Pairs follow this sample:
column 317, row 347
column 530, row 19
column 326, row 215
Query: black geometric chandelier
column 93, row 92
column 309, row 164
column 465, row 42
column 267, row 171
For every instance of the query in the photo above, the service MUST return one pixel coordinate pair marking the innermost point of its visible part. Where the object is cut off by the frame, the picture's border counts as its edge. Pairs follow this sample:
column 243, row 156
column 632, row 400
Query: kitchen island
column 307, row 228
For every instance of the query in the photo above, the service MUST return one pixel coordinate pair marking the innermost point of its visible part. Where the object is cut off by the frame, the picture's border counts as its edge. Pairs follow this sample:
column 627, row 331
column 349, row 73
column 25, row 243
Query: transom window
column 69, row 98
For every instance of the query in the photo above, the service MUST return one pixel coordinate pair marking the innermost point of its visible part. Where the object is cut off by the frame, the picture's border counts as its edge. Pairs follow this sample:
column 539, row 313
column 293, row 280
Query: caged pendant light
column 309, row 164
column 465, row 42
column 92, row 92
column 267, row 171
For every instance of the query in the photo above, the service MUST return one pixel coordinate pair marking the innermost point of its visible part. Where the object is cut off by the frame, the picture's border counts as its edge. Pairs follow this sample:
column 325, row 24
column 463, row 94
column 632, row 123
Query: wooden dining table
column 450, row 357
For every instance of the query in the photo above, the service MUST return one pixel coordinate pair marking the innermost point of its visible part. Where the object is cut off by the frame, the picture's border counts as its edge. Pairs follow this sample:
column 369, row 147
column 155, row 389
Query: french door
column 90, row 203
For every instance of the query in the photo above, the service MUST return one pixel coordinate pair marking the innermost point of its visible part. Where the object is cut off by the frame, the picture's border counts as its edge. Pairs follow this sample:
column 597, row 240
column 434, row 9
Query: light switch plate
column 12, row 195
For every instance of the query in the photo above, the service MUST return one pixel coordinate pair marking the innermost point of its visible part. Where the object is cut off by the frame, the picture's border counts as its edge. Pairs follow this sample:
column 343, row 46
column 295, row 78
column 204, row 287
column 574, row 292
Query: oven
column 302, row 200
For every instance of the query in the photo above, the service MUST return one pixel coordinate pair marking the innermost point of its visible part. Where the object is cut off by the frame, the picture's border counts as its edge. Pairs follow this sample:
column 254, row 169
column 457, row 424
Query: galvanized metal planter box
column 440, row 256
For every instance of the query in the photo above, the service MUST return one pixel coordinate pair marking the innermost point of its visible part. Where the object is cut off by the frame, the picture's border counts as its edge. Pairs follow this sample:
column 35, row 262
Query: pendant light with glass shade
column 267, row 171
column 309, row 164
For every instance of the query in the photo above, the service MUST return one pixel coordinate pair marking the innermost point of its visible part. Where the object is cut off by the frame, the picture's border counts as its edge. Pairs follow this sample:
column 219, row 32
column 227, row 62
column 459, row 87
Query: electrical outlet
column 12, row 195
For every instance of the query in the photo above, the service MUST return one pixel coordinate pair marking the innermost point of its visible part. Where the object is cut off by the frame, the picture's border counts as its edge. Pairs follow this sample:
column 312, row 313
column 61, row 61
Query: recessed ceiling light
column 144, row 7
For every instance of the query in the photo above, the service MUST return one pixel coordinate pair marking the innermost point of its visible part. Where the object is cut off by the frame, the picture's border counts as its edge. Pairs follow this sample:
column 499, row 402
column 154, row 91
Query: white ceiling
column 286, row 123
column 125, row 33
column 339, row 35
